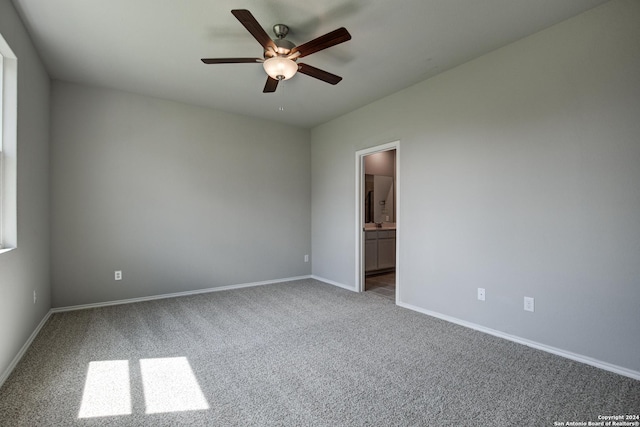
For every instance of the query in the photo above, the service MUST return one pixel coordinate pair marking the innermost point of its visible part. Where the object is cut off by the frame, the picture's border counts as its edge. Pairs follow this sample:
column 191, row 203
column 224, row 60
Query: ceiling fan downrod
column 283, row 47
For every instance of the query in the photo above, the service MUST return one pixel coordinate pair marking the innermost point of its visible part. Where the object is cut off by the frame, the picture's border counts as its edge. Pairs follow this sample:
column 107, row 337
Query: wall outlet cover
column 529, row 304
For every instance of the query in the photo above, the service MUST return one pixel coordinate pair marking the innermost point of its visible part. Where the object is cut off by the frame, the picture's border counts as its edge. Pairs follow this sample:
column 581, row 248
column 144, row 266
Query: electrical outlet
column 35, row 296
column 481, row 294
column 528, row 304
column 118, row 275
column 306, row 258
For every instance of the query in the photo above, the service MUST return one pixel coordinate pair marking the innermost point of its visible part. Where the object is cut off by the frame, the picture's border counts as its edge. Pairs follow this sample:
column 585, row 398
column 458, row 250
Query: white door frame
column 359, row 225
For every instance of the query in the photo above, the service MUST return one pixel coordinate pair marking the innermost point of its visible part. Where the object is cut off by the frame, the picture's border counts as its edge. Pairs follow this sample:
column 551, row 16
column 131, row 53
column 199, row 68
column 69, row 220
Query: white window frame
column 8, row 147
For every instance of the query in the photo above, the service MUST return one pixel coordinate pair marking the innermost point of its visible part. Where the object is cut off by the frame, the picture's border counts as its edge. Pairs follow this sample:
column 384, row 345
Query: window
column 8, row 138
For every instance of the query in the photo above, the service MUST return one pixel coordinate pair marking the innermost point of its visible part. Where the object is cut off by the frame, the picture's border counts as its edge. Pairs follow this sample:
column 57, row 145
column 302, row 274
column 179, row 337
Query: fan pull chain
column 281, row 107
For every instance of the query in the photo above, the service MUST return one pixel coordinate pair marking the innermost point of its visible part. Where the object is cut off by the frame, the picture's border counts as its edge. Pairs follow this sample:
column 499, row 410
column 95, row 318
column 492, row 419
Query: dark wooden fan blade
column 333, row 38
column 230, row 60
column 271, row 85
column 319, row 74
column 251, row 24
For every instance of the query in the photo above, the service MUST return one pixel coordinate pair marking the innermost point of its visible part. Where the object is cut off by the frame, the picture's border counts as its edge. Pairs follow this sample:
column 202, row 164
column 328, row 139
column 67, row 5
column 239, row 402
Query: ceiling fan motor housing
column 283, row 47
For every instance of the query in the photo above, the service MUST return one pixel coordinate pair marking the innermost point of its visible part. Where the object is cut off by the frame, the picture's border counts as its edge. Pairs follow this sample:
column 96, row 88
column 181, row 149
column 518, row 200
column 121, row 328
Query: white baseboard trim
column 331, row 282
column 533, row 344
column 24, row 349
column 175, row 295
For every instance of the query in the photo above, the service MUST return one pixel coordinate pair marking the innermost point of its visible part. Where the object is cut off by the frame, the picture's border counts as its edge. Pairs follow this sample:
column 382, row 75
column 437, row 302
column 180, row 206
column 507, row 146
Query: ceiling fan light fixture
column 280, row 68
column 280, row 55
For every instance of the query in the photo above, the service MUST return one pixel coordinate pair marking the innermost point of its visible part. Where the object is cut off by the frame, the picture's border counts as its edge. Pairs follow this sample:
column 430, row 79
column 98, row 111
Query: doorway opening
column 377, row 195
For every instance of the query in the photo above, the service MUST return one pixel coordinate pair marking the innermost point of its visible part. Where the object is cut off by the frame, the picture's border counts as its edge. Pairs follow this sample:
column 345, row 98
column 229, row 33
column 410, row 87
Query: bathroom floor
column 382, row 284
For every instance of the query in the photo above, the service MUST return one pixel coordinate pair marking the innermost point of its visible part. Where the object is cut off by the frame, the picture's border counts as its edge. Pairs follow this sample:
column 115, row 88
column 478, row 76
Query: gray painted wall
column 382, row 163
column 26, row 268
column 519, row 173
column 178, row 197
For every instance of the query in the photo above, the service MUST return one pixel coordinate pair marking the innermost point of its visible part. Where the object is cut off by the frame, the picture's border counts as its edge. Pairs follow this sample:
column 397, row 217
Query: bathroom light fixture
column 280, row 67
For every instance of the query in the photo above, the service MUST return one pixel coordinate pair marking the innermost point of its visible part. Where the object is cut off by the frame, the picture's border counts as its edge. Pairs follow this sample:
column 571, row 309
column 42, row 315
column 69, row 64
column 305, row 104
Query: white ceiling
column 153, row 47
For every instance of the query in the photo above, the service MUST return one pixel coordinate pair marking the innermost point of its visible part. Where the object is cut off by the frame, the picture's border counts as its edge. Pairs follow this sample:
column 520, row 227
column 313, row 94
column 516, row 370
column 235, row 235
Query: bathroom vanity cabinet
column 380, row 250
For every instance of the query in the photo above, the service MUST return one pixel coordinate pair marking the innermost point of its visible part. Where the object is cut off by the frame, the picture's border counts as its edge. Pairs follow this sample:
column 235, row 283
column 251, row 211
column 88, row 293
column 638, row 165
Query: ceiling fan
column 280, row 55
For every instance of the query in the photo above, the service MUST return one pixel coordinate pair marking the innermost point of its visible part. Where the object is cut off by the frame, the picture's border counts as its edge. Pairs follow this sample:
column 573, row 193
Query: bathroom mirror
column 379, row 199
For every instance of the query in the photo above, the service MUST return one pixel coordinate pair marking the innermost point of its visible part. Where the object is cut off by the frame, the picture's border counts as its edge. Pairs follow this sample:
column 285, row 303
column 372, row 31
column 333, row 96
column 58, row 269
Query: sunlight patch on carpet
column 170, row 386
column 107, row 391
